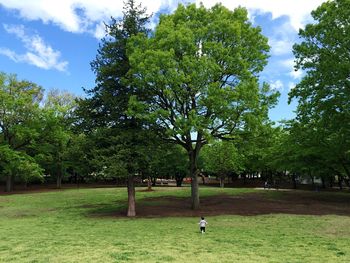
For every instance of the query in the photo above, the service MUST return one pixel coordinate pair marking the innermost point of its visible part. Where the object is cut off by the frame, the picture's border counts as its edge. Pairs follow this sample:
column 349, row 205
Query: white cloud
column 9, row 53
column 289, row 64
column 83, row 15
column 276, row 85
column 298, row 11
column 280, row 47
column 79, row 16
column 282, row 39
column 100, row 30
column 291, row 85
column 38, row 52
column 296, row 74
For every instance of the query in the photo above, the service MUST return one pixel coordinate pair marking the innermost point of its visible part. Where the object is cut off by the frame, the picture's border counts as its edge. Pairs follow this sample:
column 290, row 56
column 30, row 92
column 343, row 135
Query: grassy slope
column 59, row 227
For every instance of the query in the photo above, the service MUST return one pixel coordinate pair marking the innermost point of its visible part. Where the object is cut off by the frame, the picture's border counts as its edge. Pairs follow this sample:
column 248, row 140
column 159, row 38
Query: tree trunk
column 154, row 180
column 340, row 182
column 59, row 180
column 179, row 179
column 222, row 181
column 195, row 192
column 346, row 169
column 331, row 181
column 9, row 183
column 323, row 180
column 294, row 181
column 194, row 181
column 312, row 178
column 131, row 197
column 244, row 179
column 59, row 174
column 149, row 183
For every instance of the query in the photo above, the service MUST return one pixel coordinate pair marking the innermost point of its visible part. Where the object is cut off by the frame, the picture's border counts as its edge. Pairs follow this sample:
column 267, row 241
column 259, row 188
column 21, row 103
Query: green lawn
column 62, row 227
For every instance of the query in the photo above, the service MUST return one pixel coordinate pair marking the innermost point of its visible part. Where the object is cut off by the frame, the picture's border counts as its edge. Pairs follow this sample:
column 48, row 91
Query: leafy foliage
column 324, row 92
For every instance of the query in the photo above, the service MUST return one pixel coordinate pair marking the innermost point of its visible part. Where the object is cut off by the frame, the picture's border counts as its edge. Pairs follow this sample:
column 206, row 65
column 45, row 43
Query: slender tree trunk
column 131, row 197
column 59, row 180
column 194, row 182
column 346, row 169
column 59, row 174
column 312, row 178
column 340, row 182
column 294, row 181
column 9, row 183
column 222, row 181
column 331, row 181
column 203, row 178
column 347, row 182
column 323, row 182
column 179, row 179
column 244, row 179
column 195, row 192
column 149, row 183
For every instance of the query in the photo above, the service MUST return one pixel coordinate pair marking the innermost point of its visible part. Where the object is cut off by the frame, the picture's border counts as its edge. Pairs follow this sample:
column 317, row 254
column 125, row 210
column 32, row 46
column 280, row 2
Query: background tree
column 56, row 133
column 324, row 92
column 222, row 158
column 169, row 161
column 107, row 103
column 19, row 126
column 201, row 70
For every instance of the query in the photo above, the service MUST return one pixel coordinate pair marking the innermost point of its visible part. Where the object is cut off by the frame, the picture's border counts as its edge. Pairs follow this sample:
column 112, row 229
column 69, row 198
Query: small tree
column 222, row 158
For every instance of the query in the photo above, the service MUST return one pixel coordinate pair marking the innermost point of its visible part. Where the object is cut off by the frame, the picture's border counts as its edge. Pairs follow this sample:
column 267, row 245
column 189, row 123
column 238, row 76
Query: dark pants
column 202, row 228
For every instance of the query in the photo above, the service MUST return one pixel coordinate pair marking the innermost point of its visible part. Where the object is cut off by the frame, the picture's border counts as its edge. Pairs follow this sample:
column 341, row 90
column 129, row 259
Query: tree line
column 185, row 98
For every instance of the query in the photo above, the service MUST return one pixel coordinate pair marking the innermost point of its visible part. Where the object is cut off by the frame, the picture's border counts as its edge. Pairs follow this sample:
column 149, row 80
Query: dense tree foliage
column 324, row 92
column 56, row 133
column 19, row 127
column 222, row 158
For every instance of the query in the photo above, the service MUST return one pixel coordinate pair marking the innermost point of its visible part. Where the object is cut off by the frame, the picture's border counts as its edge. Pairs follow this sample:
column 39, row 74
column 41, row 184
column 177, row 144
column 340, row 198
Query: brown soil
column 287, row 202
column 294, row 202
column 51, row 188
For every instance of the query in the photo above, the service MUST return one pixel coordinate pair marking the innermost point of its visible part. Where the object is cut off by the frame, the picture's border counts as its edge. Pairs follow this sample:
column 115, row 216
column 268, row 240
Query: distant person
column 202, row 225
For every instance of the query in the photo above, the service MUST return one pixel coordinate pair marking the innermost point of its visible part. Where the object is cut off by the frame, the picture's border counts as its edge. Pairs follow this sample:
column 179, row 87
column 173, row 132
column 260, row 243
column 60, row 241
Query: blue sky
column 53, row 42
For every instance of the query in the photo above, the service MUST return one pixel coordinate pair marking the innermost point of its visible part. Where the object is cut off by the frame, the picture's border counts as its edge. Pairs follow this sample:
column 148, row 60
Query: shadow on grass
column 250, row 204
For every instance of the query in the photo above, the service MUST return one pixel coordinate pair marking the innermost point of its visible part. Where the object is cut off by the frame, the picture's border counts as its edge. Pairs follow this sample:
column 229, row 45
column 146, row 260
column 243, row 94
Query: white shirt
column 202, row 223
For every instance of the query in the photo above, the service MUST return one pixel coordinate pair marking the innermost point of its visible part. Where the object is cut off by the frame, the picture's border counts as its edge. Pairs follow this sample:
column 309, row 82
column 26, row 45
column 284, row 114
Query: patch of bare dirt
column 246, row 205
column 51, row 188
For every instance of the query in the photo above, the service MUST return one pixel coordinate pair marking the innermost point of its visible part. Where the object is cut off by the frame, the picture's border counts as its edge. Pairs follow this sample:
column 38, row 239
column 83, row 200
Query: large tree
column 19, row 126
column 324, row 92
column 201, row 69
column 107, row 103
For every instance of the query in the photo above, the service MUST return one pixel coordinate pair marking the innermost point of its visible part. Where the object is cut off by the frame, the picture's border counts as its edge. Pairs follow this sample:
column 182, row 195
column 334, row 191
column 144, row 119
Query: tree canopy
column 324, row 92
column 200, row 72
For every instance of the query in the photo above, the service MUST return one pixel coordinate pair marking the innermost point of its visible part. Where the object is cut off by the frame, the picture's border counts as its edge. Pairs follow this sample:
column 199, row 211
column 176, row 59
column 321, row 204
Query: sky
column 52, row 43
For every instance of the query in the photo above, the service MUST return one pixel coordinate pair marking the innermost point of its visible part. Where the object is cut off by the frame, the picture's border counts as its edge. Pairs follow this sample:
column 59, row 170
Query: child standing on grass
column 202, row 225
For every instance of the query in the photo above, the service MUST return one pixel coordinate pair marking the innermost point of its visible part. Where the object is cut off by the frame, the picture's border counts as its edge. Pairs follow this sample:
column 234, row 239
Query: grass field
column 64, row 226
